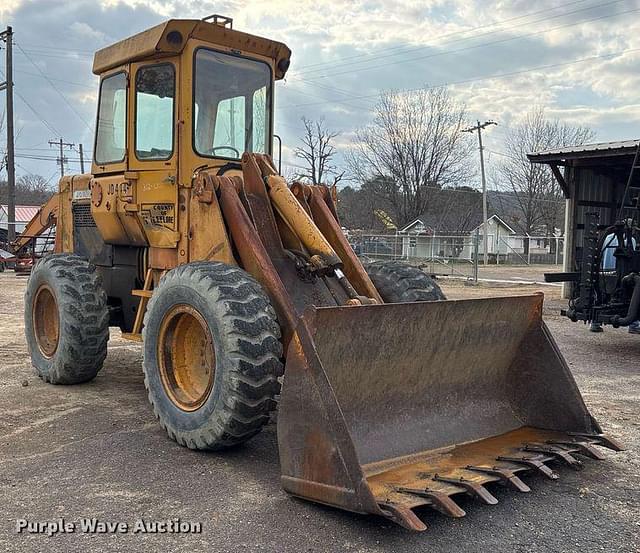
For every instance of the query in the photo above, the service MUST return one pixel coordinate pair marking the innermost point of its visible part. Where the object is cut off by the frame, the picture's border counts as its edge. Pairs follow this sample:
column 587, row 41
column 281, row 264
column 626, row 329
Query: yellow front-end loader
column 247, row 296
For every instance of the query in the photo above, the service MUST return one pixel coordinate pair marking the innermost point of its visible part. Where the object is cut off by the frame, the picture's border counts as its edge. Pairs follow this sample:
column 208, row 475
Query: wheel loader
column 246, row 296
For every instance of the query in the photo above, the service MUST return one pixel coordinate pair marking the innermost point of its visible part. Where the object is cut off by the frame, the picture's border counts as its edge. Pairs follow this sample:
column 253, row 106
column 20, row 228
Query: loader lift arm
column 43, row 220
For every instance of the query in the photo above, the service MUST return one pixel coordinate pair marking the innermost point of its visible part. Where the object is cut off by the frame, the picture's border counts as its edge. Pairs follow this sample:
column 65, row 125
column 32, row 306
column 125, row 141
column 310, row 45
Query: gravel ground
column 95, row 450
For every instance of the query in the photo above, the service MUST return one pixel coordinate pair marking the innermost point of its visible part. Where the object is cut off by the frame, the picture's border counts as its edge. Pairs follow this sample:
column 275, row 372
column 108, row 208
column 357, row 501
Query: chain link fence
column 459, row 254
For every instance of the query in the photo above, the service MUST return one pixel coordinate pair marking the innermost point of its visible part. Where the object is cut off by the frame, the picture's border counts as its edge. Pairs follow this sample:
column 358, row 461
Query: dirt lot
column 95, row 450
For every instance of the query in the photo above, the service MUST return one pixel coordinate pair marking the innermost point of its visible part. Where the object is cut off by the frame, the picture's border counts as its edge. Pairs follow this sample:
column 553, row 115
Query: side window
column 112, row 120
column 155, row 91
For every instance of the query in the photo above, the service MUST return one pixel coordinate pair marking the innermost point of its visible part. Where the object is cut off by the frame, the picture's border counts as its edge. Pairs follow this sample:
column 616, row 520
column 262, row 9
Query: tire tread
column 252, row 342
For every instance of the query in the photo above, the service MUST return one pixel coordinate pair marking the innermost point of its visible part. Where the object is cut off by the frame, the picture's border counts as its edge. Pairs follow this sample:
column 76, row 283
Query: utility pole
column 81, row 152
column 7, row 37
column 62, row 145
column 485, row 215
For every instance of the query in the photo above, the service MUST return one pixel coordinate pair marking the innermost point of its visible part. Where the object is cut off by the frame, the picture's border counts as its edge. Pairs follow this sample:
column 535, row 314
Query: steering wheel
column 212, row 151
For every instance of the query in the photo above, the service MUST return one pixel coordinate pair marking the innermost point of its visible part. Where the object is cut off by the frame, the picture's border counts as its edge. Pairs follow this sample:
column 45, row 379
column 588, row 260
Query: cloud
column 345, row 52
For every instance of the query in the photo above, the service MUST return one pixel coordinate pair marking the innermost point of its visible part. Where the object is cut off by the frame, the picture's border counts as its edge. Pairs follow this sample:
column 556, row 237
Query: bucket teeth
column 585, row 448
column 403, row 516
column 557, row 452
column 535, row 462
column 600, row 439
column 505, row 475
column 438, row 500
column 471, row 487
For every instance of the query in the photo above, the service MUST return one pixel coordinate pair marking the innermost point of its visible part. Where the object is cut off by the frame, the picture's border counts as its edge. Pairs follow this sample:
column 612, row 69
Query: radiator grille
column 82, row 216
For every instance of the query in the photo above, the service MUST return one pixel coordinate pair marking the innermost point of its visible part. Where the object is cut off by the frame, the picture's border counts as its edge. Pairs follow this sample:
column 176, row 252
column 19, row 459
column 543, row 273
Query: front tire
column 66, row 319
column 212, row 355
column 400, row 283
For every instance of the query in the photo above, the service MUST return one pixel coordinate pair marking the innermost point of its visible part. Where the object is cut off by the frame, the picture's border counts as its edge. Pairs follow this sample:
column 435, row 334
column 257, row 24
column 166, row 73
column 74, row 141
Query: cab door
column 153, row 150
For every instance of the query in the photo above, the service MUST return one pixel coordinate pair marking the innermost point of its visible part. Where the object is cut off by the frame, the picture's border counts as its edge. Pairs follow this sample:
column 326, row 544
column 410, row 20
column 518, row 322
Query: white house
column 427, row 237
column 422, row 241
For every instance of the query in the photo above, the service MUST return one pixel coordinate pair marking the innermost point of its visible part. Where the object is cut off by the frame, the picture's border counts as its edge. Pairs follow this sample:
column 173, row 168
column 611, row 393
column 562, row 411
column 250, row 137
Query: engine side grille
column 82, row 216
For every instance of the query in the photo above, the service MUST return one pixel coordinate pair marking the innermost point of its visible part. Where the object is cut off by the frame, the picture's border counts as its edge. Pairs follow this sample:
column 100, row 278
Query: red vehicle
column 23, row 265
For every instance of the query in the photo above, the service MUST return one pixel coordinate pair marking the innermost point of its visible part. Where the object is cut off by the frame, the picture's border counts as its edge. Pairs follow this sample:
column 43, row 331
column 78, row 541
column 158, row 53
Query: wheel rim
column 186, row 357
column 46, row 321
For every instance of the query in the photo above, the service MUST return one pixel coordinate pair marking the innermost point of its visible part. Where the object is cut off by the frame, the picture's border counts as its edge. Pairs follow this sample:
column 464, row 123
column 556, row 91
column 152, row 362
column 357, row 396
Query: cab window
column 155, row 92
column 112, row 120
column 232, row 98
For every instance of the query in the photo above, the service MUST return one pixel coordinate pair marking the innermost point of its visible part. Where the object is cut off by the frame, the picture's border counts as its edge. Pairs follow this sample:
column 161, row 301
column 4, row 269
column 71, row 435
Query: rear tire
column 400, row 283
column 66, row 319
column 212, row 355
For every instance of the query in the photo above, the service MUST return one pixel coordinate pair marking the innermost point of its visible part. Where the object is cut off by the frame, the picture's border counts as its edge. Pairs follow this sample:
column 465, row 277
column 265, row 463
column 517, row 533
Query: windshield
column 232, row 98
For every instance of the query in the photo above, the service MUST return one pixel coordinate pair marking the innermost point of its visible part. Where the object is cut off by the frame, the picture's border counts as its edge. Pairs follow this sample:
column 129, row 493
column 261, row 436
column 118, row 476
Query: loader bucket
column 389, row 407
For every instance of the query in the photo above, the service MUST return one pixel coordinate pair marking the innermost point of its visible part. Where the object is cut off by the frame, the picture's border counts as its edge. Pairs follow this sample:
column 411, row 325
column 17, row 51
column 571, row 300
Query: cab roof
column 170, row 38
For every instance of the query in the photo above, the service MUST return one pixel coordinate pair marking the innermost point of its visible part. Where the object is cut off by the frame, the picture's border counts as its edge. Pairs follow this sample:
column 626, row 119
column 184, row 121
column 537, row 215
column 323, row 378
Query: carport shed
column 593, row 178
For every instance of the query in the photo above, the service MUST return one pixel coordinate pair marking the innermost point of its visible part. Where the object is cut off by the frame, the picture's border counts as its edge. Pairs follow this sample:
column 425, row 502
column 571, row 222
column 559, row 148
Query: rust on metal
column 599, row 439
column 536, row 462
column 438, row 500
column 301, row 224
column 428, row 423
column 186, row 357
column 43, row 220
column 254, row 256
column 555, row 451
column 473, row 488
column 260, row 205
column 578, row 446
column 329, row 226
column 506, row 475
column 46, row 321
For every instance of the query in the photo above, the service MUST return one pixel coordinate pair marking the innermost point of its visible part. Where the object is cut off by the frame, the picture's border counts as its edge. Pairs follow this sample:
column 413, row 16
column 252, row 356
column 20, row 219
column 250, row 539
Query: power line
column 478, row 128
column 346, row 93
column 63, row 49
column 486, row 77
column 62, row 159
column 482, row 45
column 305, row 93
column 55, row 88
column 42, row 120
column 85, row 85
column 406, row 48
column 354, row 97
column 54, row 55
column 48, row 125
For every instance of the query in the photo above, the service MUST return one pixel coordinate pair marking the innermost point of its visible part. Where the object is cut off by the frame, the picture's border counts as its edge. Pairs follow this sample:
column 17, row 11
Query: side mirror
column 279, row 153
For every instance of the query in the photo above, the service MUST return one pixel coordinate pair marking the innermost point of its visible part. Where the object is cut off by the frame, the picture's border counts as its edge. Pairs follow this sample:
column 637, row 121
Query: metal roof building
column 593, row 178
column 24, row 213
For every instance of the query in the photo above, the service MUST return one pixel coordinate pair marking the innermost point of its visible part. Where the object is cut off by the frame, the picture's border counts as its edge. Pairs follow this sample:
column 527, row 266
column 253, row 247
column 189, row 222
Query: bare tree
column 537, row 193
column 456, row 210
column 357, row 207
column 30, row 190
column 416, row 145
column 318, row 153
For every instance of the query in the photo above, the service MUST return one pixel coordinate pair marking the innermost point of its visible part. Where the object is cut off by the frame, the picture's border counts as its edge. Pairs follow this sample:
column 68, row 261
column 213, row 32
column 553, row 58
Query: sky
column 578, row 59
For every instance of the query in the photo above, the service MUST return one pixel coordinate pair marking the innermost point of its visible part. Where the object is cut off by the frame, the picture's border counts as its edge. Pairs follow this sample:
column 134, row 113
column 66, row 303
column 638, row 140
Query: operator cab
column 195, row 85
